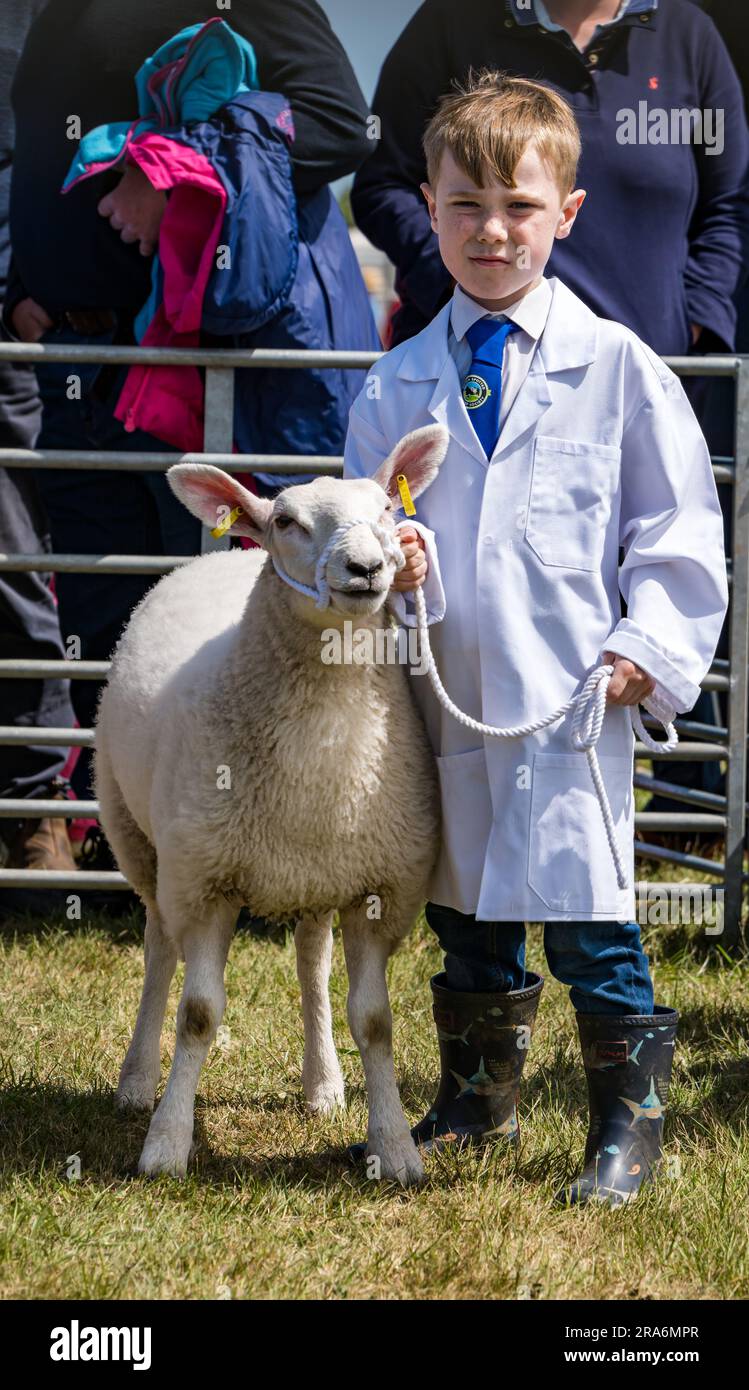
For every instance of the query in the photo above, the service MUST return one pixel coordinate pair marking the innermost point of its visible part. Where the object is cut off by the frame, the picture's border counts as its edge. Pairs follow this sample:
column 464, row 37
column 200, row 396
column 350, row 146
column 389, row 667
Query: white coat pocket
column 570, row 866
column 572, row 488
column 466, row 826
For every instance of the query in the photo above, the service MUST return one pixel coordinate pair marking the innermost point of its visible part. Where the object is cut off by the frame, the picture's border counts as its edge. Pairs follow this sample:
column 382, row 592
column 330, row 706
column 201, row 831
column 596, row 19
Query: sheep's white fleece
column 333, row 791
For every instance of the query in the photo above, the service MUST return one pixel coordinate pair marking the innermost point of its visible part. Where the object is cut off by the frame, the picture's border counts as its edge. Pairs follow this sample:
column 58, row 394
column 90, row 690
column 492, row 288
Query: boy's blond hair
column 489, row 122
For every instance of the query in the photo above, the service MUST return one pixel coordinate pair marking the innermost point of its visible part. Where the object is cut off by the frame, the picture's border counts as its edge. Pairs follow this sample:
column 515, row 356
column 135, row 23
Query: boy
column 569, row 439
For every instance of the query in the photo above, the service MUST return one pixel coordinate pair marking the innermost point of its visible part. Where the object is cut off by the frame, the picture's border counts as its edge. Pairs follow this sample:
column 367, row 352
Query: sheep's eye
column 283, row 521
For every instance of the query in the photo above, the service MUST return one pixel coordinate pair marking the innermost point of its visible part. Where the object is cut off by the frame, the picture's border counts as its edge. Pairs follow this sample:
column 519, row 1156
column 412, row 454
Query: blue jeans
column 602, row 962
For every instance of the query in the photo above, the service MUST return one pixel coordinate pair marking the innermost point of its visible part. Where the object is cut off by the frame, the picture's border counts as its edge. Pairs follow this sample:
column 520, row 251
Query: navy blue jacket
column 661, row 237
column 15, row 22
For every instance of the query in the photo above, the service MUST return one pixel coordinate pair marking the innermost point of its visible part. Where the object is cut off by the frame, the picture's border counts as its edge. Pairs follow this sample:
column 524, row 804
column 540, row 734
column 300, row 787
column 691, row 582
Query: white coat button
column 488, row 540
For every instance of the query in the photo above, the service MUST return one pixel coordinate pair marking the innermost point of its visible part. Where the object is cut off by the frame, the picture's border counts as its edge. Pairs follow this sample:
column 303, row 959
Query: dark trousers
column 29, row 624
column 602, row 962
column 101, row 513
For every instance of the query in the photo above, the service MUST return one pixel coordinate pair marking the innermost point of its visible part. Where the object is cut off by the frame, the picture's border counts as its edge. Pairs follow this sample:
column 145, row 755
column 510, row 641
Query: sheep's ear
column 212, row 495
column 418, row 456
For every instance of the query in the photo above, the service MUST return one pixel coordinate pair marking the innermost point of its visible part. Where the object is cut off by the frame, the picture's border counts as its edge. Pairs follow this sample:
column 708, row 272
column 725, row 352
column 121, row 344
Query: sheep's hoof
column 326, row 1096
column 136, row 1092
column 397, row 1160
column 165, row 1153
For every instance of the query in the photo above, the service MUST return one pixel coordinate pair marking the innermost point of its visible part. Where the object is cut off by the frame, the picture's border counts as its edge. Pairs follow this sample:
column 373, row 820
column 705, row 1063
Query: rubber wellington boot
column 628, row 1064
column 483, row 1043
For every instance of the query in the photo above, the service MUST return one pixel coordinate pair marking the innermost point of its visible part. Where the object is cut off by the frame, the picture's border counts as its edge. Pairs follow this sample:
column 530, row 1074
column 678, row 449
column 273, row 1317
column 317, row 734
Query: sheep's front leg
column 201, row 1008
column 321, row 1073
column 388, row 1134
column 141, row 1069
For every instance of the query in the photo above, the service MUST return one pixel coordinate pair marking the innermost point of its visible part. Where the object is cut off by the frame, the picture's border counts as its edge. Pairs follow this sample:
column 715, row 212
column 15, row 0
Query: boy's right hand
column 414, row 571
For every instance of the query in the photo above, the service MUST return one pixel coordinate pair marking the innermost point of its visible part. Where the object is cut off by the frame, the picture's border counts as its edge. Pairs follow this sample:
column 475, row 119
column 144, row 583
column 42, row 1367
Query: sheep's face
column 359, row 569
column 297, row 528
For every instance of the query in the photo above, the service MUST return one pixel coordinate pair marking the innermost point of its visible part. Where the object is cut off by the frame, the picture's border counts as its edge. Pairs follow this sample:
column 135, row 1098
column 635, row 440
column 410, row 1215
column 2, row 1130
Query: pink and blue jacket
column 240, row 257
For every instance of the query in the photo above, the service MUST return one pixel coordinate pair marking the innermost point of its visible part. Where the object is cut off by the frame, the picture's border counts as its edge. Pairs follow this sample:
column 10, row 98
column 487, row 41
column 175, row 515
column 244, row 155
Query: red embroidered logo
column 614, row 1053
column 653, row 83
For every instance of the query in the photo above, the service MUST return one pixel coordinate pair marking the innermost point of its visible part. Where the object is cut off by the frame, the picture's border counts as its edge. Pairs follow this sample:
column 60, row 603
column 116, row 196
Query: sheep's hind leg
column 388, row 1135
column 321, row 1073
column 141, row 1068
column 201, row 1008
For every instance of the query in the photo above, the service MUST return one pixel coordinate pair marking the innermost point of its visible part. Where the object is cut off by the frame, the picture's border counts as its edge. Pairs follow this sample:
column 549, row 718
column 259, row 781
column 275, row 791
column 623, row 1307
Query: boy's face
column 495, row 241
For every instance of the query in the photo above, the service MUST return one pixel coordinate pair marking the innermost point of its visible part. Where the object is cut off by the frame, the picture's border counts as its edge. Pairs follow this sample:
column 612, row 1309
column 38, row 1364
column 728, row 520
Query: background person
column 80, row 277
column 677, row 211
column 29, row 626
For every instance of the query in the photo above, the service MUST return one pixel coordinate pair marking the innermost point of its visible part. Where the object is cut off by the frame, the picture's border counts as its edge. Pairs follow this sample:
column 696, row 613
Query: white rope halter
column 589, row 704
column 321, row 592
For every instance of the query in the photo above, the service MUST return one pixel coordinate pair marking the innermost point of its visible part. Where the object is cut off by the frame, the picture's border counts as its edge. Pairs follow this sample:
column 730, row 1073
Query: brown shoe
column 43, row 844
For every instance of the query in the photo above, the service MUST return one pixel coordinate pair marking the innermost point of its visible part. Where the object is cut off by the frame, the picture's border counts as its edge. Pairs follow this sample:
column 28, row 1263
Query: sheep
column 234, row 766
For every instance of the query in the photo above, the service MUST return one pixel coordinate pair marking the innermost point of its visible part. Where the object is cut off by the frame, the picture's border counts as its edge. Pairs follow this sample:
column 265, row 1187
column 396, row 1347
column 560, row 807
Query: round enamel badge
column 475, row 391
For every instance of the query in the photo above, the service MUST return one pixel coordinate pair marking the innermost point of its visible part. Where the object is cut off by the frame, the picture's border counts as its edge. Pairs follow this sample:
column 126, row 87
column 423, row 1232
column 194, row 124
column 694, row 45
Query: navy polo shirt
column 663, row 234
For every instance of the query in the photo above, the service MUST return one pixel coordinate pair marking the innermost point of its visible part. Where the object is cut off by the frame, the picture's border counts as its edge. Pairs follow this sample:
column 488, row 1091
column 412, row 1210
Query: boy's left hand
column 629, row 684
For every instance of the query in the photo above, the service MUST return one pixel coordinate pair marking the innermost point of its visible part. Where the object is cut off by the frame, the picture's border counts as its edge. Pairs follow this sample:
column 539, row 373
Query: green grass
column 270, row 1209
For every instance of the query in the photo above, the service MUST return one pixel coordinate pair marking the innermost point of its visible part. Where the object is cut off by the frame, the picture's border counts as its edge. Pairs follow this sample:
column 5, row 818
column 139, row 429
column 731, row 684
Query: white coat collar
column 568, row 341
column 569, row 338
column 529, row 313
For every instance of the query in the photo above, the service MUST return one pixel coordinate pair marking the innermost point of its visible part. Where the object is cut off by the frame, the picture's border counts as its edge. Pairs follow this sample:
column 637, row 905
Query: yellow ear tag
column 406, row 498
column 223, row 526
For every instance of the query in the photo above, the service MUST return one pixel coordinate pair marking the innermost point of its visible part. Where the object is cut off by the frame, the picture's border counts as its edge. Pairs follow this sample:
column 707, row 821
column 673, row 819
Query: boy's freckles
column 495, row 240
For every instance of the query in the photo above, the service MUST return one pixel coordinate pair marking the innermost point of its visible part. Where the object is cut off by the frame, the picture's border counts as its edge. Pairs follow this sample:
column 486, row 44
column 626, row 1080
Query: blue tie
column 482, row 387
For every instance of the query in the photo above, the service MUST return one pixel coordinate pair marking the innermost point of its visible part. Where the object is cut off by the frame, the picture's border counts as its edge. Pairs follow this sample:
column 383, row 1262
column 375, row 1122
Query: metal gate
column 699, row 742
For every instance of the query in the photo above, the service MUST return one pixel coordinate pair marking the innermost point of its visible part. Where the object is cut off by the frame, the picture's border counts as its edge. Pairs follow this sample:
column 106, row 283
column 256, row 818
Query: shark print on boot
column 483, row 1042
column 628, row 1063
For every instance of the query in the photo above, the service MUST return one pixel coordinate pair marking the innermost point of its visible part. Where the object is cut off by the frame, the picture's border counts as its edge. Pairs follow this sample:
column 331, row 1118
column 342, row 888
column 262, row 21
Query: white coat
column 599, row 450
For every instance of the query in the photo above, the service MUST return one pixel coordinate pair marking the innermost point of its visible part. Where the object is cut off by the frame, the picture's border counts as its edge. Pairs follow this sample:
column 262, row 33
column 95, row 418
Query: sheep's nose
column 363, row 571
